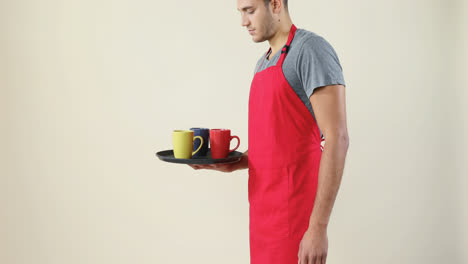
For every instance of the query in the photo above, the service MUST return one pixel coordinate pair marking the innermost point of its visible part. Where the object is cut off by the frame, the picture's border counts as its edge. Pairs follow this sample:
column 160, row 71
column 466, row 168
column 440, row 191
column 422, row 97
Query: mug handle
column 238, row 143
column 201, row 144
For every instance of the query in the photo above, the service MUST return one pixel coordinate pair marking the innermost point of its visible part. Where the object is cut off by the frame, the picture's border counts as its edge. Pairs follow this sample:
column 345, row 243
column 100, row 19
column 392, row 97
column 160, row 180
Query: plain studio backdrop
column 90, row 90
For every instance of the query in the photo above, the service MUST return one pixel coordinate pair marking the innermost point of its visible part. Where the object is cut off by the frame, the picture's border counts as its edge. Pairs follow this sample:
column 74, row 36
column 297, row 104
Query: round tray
column 168, row 156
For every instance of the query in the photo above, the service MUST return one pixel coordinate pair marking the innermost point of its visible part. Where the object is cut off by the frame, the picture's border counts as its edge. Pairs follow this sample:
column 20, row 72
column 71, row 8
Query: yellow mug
column 182, row 140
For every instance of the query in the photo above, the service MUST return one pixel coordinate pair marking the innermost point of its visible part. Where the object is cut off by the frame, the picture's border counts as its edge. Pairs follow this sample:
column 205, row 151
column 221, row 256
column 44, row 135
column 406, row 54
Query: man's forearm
column 329, row 179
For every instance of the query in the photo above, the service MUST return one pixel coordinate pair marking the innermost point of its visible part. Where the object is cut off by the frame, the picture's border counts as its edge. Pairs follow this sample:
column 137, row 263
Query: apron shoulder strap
column 285, row 48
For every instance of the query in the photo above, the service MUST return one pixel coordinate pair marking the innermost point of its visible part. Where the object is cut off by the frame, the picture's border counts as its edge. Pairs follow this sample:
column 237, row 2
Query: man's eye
column 251, row 12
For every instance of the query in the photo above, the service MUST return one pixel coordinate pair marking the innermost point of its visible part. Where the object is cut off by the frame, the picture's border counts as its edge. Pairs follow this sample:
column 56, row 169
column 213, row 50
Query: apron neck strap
column 285, row 48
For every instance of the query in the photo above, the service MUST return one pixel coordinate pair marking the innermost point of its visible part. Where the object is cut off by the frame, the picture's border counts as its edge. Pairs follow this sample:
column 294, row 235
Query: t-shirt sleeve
column 318, row 65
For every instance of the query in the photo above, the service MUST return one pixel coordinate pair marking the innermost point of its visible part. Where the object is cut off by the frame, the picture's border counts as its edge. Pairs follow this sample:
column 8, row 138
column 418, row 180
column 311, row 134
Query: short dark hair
column 285, row 2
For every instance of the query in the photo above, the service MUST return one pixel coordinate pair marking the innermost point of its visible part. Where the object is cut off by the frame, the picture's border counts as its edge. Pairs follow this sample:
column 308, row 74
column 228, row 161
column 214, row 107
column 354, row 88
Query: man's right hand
column 224, row 167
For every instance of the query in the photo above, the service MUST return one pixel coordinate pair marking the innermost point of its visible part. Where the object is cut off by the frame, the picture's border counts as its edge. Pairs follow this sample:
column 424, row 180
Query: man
column 297, row 99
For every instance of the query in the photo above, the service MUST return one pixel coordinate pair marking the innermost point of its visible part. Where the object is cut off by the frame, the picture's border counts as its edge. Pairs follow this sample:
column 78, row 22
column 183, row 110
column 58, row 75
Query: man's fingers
column 324, row 259
column 198, row 166
column 313, row 260
column 318, row 260
column 303, row 260
column 217, row 166
column 299, row 254
column 203, row 166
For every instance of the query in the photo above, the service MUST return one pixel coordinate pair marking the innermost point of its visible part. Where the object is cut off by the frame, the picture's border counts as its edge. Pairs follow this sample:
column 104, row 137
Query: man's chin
column 257, row 40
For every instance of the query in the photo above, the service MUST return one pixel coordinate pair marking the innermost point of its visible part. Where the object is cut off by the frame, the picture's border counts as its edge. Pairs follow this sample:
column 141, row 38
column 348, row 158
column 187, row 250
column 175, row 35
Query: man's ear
column 276, row 6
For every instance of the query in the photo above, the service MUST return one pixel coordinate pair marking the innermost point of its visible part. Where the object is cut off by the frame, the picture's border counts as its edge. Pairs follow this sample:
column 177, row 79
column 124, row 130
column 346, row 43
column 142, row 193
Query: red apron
column 284, row 158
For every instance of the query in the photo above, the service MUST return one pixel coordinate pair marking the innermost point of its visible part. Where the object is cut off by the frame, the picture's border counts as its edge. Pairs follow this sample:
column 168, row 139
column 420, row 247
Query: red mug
column 220, row 141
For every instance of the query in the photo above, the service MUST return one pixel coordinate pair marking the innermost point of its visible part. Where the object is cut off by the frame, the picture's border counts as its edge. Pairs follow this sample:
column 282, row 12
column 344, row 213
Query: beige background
column 90, row 90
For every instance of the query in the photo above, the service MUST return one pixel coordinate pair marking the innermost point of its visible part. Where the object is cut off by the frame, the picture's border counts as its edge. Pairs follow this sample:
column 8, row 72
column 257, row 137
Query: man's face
column 257, row 18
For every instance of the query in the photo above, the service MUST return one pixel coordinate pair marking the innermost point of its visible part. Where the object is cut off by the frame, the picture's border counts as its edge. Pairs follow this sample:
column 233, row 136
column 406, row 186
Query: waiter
column 297, row 100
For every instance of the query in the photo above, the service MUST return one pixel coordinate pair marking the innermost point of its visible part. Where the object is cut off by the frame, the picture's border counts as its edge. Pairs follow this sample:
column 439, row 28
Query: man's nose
column 244, row 22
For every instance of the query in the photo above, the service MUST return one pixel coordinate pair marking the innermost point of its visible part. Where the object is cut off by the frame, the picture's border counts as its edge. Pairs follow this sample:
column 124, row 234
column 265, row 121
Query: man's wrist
column 318, row 226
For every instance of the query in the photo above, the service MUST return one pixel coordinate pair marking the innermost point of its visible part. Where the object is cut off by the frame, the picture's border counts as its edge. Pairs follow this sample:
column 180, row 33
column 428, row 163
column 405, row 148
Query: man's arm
column 243, row 163
column 328, row 103
column 329, row 107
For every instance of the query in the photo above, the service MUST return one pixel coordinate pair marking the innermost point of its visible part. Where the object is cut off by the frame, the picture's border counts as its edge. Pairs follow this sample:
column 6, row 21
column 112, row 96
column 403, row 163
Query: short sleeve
column 318, row 65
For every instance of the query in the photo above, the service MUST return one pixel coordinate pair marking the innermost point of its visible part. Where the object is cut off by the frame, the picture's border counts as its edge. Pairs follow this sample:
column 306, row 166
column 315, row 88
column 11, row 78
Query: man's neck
column 280, row 38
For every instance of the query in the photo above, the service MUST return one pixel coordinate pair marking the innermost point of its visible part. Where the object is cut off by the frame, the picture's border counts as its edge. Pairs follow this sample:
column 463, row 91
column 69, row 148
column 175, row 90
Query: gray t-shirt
column 311, row 62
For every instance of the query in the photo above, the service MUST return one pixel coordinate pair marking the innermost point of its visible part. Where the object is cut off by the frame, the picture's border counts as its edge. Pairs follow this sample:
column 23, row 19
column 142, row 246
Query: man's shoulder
column 308, row 39
column 303, row 35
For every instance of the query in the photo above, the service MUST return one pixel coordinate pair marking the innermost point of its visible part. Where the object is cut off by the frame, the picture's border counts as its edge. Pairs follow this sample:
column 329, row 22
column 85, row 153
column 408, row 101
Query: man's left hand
column 313, row 248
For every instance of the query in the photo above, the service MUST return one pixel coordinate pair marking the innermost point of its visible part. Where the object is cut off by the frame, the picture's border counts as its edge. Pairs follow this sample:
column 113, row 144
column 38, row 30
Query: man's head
column 262, row 17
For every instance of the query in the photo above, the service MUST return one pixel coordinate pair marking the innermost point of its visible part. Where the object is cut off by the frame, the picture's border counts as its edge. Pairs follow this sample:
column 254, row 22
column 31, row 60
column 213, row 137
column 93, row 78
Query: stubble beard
column 269, row 27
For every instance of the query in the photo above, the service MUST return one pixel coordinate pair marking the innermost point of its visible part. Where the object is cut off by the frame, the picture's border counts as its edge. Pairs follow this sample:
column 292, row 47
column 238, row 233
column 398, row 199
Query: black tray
column 168, row 156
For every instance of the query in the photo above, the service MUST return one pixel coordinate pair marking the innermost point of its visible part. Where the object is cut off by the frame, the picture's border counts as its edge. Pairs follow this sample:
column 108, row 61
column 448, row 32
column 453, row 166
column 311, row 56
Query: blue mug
column 205, row 134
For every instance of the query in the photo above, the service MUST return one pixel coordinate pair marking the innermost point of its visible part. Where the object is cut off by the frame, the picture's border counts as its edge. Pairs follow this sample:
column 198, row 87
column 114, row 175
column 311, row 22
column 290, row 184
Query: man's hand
column 313, row 248
column 225, row 167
